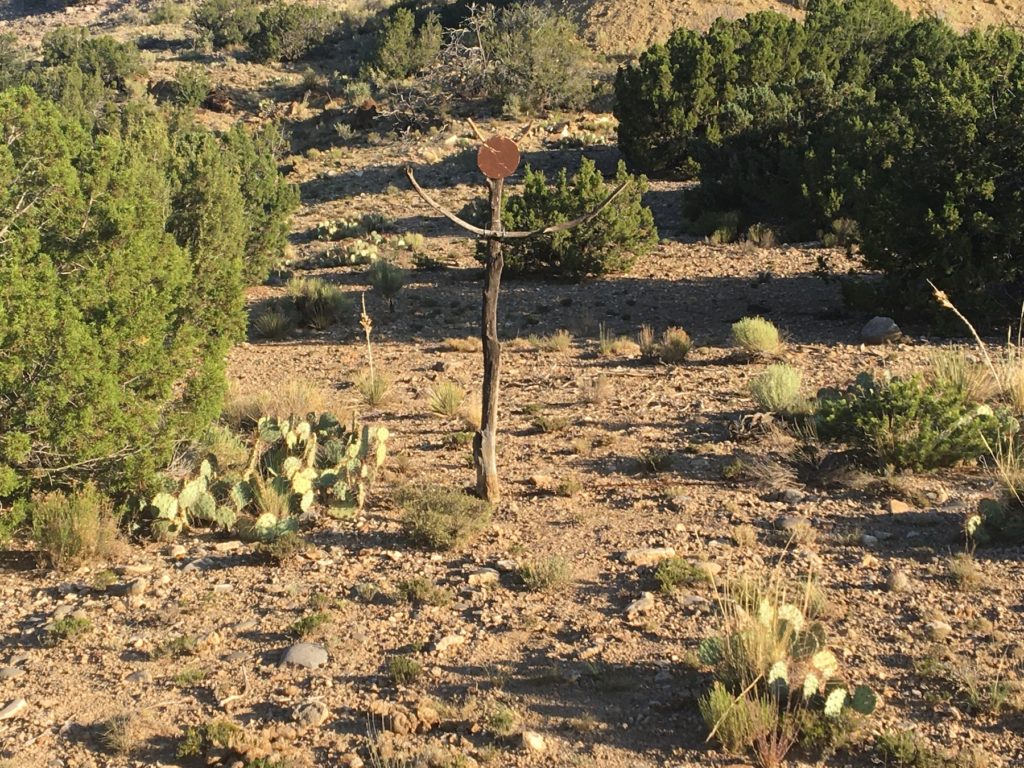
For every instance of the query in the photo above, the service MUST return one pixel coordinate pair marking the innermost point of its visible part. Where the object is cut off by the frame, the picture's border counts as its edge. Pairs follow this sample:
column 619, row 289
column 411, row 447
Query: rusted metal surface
column 498, row 157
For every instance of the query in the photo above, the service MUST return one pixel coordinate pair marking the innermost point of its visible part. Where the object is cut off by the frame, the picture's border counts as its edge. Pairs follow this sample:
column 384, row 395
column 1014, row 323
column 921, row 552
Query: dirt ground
column 194, row 631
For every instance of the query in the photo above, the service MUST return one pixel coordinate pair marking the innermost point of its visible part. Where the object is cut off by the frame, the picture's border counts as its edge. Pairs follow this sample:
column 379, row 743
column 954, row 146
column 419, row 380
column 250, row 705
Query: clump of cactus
column 294, row 464
column 338, row 230
column 774, row 675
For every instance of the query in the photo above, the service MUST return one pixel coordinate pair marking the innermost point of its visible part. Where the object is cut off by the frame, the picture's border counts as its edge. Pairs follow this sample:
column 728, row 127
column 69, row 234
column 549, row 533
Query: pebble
column 9, row 673
column 898, row 507
column 898, row 581
column 312, row 714
column 791, row 523
column 792, row 496
column 709, row 569
column 177, row 552
column 938, row 630
column 13, row 709
column 141, row 677
column 449, row 641
column 227, row 546
column 641, row 605
column 648, row 556
column 868, row 540
column 483, row 576
column 880, row 330
column 307, row 655
column 533, row 741
column 236, row 657
column 506, row 566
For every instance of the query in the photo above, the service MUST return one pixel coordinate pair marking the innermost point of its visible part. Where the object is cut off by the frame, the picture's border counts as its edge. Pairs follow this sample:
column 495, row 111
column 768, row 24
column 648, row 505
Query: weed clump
column 442, row 518
column 777, row 390
column 71, row 528
column 756, row 336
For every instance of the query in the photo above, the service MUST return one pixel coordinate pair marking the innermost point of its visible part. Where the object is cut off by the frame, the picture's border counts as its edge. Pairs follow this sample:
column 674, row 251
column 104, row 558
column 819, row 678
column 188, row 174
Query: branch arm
column 491, row 234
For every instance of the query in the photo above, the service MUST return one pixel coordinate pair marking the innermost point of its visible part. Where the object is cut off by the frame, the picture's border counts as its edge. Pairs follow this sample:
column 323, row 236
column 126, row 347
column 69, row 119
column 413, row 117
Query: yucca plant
column 273, row 323
column 320, row 304
column 387, row 279
column 446, row 399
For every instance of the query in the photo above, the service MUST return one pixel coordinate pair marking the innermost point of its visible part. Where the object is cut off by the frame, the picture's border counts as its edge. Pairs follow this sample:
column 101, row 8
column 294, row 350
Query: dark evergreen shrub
column 228, row 22
column 288, row 31
column 405, row 48
column 609, row 243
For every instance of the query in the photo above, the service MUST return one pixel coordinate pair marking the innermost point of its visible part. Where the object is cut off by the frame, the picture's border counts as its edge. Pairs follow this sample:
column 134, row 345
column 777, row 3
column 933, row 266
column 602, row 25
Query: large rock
column 880, row 330
column 648, row 555
column 308, row 655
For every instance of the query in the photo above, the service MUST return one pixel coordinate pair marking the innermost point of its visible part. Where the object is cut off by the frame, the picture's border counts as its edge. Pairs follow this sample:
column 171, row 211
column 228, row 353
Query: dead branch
column 491, row 234
column 476, row 130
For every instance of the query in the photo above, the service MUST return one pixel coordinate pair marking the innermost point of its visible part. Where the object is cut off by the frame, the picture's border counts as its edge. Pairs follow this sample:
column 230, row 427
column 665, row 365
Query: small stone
column 648, row 555
column 141, row 677
column 792, row 523
column 177, row 552
column 792, row 496
column 312, row 714
column 938, row 630
column 236, row 657
column 868, row 540
column 352, row 760
column 533, row 741
column 898, row 581
column 10, row 673
column 506, row 566
column 482, row 577
column 709, row 569
column 227, row 546
column 880, row 330
column 13, row 709
column 449, row 641
column 641, row 605
column 307, row 655
column 137, row 587
column 898, row 507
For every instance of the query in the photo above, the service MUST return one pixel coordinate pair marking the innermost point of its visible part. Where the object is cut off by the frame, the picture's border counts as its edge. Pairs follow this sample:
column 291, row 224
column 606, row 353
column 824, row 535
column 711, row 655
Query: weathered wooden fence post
column 498, row 158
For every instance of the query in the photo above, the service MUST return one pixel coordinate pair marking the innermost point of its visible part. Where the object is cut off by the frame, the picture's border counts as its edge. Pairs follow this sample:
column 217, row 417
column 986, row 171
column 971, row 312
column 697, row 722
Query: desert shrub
column 674, row 347
column 907, row 424
column 559, row 341
column 446, row 399
column 387, row 279
column 773, row 675
column 13, row 62
column 756, row 336
column 405, row 48
column 120, row 291
column 442, row 518
column 75, row 527
column 894, row 131
column 273, row 322
column 191, row 85
column 319, row 304
column 169, row 12
column 288, row 31
column 546, row 574
column 538, row 60
column 269, row 200
column 228, row 22
column 777, row 389
column 404, row 669
column 611, row 242
column 954, row 370
column 676, row 572
column 114, row 63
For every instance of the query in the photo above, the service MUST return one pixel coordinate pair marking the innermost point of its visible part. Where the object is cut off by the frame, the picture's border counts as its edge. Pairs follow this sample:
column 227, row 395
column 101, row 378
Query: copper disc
column 498, row 157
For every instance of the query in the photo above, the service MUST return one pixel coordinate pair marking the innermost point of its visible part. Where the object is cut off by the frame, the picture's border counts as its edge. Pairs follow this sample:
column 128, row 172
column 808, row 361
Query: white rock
column 483, row 576
column 641, row 605
column 449, row 641
column 13, row 709
column 880, row 330
column 533, row 741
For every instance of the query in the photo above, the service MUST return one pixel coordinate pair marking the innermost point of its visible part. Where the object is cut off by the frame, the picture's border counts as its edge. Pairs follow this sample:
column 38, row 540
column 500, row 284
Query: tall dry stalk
column 367, row 325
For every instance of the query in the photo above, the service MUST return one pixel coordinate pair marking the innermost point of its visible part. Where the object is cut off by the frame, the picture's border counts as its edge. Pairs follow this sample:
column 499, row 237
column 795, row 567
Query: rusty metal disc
column 498, row 157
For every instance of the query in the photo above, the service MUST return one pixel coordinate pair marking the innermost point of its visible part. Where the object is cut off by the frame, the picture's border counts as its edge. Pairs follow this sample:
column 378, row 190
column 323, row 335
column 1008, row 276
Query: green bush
column 13, row 63
column 442, row 518
column 269, row 199
column 756, row 336
column 120, row 289
column 903, row 130
column 777, row 389
column 405, row 49
column 229, row 22
column 288, row 31
column 103, row 56
column 537, row 59
column 191, row 85
column 609, row 243
column 907, row 424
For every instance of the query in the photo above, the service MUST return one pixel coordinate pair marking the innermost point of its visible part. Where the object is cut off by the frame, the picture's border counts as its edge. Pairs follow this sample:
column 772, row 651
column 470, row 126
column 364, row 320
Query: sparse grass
column 907, row 749
column 609, row 345
column 546, row 574
column 466, row 344
column 676, row 572
column 446, row 399
column 757, row 337
column 211, row 734
column 745, row 536
column 442, row 518
column 404, row 670
column 568, row 487
column 646, row 341
column 957, row 371
column 290, row 398
column 280, row 549
column 189, row 676
column 374, row 387
column 964, row 571
column 273, row 323
column 76, row 527
column 654, row 460
column 124, row 733
column 422, row 591
column 181, row 645
column 547, row 424
column 387, row 279
column 675, row 346
column 319, row 304
column 67, row 629
column 472, row 412
column 310, row 624
column 596, row 390
column 777, row 389
column 559, row 341
column 104, row 579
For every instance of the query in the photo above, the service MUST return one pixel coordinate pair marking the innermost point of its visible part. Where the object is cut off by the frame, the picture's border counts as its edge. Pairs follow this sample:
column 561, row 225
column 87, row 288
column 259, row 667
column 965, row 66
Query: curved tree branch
column 491, row 234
